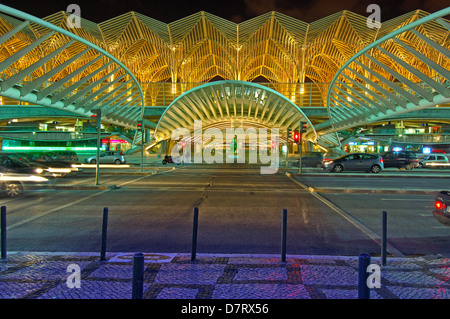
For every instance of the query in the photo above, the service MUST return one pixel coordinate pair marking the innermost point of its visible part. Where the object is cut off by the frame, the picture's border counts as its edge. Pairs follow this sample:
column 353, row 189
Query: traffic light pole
column 287, row 148
column 300, row 148
column 142, row 146
column 99, row 122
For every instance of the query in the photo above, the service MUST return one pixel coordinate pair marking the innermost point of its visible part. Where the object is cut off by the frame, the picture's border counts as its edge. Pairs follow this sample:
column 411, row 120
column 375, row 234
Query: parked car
column 312, row 159
column 70, row 156
column 433, row 161
column 356, row 162
column 402, row 159
column 108, row 157
column 57, row 156
column 442, row 207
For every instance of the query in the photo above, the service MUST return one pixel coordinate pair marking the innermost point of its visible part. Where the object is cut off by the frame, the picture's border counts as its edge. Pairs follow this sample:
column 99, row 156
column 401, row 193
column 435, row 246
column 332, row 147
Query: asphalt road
column 239, row 212
column 367, row 181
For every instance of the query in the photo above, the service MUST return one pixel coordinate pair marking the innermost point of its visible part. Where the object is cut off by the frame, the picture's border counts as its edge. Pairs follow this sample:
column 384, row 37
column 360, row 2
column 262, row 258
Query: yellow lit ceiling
column 203, row 46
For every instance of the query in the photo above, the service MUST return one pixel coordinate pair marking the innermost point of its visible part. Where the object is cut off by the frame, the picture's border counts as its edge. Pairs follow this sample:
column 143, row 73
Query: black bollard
column 194, row 234
column 104, row 234
column 3, row 230
column 283, row 236
column 384, row 239
column 138, row 276
column 363, row 289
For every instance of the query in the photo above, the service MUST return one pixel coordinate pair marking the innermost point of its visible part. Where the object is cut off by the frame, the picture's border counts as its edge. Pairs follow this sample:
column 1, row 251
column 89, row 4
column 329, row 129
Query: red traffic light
column 296, row 136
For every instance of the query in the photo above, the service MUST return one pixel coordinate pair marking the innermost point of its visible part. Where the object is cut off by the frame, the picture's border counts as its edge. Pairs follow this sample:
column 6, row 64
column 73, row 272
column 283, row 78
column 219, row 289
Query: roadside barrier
column 363, row 288
column 283, row 235
column 138, row 258
column 3, row 230
column 194, row 234
column 384, row 238
column 137, row 290
column 104, row 234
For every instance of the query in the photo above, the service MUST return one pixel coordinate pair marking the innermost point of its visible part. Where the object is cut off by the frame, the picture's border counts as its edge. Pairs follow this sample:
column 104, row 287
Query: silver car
column 108, row 157
column 356, row 162
column 434, row 161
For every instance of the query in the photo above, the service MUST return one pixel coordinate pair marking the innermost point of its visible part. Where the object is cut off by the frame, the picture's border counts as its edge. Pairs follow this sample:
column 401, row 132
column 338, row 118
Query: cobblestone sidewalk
column 174, row 276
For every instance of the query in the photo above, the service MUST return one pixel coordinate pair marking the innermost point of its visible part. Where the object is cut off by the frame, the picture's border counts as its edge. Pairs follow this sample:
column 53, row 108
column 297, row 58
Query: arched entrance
column 228, row 117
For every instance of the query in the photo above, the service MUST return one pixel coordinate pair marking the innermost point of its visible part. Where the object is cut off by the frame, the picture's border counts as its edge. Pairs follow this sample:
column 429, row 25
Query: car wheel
column 117, row 162
column 93, row 161
column 338, row 168
column 375, row 169
column 164, row 162
column 409, row 166
column 318, row 165
column 13, row 189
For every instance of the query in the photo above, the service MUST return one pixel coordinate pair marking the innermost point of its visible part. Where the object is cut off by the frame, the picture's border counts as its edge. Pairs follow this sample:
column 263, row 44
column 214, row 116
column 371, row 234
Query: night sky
column 237, row 11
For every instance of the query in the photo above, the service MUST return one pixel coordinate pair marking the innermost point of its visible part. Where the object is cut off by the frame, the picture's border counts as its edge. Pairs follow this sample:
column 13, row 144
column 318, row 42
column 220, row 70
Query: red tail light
column 381, row 160
column 439, row 205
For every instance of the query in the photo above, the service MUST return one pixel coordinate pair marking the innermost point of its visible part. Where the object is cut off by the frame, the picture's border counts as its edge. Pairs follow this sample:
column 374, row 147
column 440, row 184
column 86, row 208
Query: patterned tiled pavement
column 175, row 276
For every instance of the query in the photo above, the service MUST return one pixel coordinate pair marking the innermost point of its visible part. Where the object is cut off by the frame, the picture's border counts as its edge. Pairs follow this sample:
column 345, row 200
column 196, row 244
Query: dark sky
column 237, row 11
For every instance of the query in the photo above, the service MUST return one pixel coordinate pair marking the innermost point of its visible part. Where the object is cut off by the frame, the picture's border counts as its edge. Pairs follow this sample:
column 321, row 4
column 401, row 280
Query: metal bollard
column 283, row 236
column 3, row 230
column 363, row 289
column 384, row 239
column 104, row 234
column 138, row 276
column 194, row 234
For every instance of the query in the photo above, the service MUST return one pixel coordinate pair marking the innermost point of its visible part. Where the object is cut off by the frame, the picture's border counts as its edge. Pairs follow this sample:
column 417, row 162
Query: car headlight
column 327, row 163
column 39, row 170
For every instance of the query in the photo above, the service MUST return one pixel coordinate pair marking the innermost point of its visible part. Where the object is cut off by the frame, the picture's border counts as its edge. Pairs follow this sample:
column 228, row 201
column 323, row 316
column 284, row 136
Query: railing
column 161, row 94
column 34, row 133
column 302, row 94
column 426, row 138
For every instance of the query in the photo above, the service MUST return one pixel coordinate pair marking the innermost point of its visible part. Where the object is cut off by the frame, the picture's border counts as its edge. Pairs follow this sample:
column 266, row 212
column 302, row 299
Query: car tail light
column 439, row 205
column 381, row 160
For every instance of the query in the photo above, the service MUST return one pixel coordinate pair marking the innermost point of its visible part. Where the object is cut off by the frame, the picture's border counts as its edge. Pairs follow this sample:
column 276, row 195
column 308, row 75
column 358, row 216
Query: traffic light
column 296, row 136
column 97, row 113
column 303, row 127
